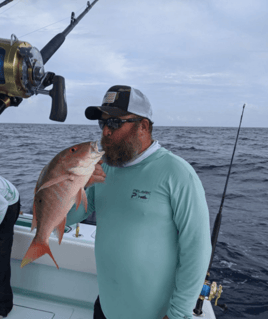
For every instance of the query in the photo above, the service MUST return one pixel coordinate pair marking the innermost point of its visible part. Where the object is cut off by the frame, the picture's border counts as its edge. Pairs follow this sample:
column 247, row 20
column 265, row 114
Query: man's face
column 120, row 145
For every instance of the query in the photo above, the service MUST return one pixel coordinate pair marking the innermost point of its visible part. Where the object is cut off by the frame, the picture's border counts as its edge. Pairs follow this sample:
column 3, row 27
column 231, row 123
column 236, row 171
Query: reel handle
column 59, row 105
column 52, row 46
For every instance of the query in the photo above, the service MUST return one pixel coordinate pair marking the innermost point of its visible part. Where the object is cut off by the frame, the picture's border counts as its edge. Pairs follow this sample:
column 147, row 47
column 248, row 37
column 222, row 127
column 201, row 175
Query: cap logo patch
column 109, row 97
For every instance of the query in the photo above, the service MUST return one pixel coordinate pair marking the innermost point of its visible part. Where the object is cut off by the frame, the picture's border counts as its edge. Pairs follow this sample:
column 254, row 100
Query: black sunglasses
column 115, row 123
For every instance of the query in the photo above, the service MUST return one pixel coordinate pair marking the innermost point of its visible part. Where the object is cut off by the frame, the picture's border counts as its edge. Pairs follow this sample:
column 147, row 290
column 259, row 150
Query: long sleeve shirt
column 9, row 195
column 152, row 243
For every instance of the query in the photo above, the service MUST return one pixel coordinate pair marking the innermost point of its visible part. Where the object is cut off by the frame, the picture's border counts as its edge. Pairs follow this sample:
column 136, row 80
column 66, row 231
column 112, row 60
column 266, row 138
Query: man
column 152, row 242
column 9, row 212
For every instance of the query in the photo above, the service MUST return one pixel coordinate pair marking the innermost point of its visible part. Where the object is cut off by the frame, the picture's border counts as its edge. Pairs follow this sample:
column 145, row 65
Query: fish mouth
column 92, row 156
column 96, row 156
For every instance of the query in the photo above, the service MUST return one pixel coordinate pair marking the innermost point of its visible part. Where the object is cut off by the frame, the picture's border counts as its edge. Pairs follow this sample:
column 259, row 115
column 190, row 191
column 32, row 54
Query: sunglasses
column 115, row 123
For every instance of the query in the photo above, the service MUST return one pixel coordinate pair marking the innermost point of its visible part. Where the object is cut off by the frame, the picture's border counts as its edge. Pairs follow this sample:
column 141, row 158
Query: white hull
column 41, row 291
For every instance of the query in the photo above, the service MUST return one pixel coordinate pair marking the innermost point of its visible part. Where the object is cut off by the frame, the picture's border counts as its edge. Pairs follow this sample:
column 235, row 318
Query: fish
column 60, row 185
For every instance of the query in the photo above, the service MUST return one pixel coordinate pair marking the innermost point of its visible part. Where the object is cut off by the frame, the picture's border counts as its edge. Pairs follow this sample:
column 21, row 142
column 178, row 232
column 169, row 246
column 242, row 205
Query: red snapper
column 60, row 185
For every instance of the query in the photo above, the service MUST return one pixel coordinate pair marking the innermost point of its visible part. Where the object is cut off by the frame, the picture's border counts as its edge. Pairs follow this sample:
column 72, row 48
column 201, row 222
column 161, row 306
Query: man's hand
column 98, row 176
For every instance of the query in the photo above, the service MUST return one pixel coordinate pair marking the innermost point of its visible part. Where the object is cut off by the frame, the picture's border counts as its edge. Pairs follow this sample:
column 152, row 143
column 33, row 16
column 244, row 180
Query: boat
column 41, row 291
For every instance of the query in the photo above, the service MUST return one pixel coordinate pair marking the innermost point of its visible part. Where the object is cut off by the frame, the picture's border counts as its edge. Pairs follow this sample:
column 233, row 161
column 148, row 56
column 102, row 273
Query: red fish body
column 60, row 184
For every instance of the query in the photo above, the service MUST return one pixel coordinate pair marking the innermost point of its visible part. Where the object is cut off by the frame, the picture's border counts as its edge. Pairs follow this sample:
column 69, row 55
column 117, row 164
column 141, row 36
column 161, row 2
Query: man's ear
column 145, row 125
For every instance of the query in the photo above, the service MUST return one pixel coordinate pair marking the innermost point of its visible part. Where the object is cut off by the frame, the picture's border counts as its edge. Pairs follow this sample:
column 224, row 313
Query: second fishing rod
column 209, row 290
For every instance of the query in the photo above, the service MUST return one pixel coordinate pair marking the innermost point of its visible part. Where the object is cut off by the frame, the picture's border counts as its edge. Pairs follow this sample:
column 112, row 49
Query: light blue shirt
column 152, row 243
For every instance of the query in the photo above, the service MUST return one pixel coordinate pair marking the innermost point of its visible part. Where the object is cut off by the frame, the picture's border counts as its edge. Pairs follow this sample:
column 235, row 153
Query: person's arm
column 3, row 207
column 191, row 217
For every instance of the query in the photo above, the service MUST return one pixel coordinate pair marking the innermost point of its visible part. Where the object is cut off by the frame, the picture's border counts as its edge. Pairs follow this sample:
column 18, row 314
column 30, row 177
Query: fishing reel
column 22, row 75
column 22, row 71
column 209, row 292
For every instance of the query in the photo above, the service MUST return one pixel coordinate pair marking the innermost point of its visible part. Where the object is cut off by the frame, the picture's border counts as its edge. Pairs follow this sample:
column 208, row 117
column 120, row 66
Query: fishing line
column 49, row 24
column 10, row 7
column 44, row 26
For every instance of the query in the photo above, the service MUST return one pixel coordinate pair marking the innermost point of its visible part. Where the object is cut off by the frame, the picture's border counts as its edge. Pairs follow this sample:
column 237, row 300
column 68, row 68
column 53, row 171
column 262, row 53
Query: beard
column 119, row 153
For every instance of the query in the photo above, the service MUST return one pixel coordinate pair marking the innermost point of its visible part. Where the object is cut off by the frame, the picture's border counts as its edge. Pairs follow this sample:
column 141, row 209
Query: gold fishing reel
column 22, row 71
column 211, row 291
column 22, row 75
column 21, row 68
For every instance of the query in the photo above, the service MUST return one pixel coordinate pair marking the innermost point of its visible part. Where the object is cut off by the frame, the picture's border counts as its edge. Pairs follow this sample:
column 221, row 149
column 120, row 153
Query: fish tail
column 36, row 250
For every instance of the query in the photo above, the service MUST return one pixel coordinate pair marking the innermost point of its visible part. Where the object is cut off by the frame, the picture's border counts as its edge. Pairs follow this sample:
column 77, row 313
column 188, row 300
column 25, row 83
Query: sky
column 197, row 61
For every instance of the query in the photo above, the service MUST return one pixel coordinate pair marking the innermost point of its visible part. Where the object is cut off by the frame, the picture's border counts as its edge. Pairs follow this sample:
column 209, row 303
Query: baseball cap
column 121, row 100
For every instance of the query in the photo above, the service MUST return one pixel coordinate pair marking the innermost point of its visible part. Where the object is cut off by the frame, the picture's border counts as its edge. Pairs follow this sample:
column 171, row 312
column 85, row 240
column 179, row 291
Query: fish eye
column 72, row 150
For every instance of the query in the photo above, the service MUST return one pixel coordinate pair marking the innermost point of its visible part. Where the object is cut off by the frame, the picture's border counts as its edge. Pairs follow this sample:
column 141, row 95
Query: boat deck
column 29, row 307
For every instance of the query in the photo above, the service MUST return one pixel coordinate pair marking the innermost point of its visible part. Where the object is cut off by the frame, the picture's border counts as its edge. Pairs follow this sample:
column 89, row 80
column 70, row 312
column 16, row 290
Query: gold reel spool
column 13, row 68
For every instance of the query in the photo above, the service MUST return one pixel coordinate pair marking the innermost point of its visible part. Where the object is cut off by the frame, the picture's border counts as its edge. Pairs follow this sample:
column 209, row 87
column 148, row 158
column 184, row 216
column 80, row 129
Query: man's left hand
column 98, row 176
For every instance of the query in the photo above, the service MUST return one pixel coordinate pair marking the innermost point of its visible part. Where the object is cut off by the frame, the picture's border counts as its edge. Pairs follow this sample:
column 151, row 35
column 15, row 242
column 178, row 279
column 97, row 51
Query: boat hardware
column 77, row 230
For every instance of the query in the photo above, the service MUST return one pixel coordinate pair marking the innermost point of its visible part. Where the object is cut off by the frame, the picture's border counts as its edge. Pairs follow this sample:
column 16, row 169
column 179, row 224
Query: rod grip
column 59, row 105
column 52, row 46
column 198, row 308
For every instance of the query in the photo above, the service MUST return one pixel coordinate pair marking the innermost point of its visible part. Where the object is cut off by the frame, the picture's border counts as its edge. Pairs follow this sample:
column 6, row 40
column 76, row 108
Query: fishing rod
column 54, row 44
column 22, row 71
column 5, row 2
column 210, row 290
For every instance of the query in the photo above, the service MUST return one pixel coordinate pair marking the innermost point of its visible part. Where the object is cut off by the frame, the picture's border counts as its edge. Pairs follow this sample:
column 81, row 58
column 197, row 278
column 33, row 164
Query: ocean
column 240, row 264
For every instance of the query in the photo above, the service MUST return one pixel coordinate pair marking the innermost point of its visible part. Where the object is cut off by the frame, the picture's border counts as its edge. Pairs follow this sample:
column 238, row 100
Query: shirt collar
column 140, row 157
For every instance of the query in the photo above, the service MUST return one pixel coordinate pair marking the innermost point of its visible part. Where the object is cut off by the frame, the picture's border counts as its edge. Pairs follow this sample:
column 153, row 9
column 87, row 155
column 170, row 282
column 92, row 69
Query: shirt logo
column 140, row 195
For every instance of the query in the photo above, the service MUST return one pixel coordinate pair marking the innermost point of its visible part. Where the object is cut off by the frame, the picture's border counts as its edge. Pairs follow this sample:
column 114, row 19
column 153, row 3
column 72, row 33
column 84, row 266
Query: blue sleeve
column 191, row 217
column 76, row 216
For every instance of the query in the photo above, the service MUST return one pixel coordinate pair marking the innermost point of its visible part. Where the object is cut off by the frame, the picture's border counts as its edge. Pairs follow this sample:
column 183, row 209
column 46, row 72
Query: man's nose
column 106, row 131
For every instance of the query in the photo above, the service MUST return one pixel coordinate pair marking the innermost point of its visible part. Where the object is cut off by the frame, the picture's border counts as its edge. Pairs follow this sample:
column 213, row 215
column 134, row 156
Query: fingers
column 98, row 179
column 95, row 179
column 98, row 170
column 98, row 176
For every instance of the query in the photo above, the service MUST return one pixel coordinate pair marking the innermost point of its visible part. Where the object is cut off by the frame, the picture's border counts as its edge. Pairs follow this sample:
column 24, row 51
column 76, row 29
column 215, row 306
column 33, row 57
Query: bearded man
column 152, row 243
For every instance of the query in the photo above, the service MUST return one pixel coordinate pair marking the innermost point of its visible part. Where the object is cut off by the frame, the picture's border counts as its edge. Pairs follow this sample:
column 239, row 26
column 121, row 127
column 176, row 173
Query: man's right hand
column 98, row 176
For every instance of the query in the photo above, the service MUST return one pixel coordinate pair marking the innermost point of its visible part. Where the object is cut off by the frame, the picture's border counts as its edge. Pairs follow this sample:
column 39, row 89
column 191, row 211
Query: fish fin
column 34, row 223
column 84, row 198
column 54, row 181
column 79, row 196
column 60, row 230
column 36, row 250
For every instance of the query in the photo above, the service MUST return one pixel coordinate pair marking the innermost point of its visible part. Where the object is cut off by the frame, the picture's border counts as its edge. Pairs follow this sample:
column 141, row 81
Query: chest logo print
column 140, row 195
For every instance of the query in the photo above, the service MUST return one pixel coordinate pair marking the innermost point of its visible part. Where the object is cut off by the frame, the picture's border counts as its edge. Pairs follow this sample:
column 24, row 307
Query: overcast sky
column 197, row 61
